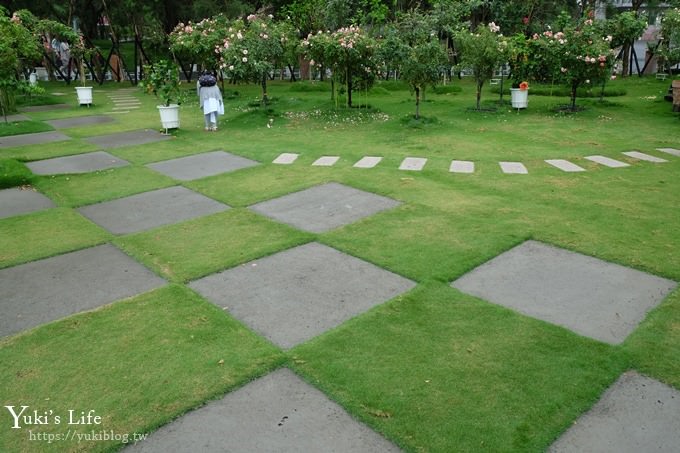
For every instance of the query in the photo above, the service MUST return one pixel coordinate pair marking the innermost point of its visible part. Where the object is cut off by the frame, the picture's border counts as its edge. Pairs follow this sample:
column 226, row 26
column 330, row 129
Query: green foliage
column 483, row 52
column 196, row 42
column 14, row 173
column 670, row 30
column 162, row 79
column 624, row 29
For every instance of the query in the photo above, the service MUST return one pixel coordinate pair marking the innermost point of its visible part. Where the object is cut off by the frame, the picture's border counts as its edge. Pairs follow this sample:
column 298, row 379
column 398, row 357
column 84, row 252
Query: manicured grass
column 435, row 370
column 137, row 364
column 22, row 127
column 192, row 249
column 440, row 371
column 46, row 233
column 88, row 188
column 13, row 173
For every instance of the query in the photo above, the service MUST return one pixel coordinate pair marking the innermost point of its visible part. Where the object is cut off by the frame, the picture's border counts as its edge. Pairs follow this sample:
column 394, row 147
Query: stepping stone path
column 367, row 162
column 22, row 201
column 673, row 151
column 151, row 209
column 276, row 413
column 516, row 168
column 202, row 165
column 32, row 139
column 594, row 298
column 642, row 156
column 326, row 161
column 413, row 164
column 564, row 165
column 322, row 208
column 286, row 158
column 118, row 140
column 16, row 118
column 607, row 162
column 43, row 291
column 80, row 163
column 79, row 121
column 297, row 294
column 124, row 101
column 462, row 166
column 636, row 414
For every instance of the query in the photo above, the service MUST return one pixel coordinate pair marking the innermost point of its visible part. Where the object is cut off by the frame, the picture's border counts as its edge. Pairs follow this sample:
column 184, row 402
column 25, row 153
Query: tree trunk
column 626, row 60
column 349, row 88
column 292, row 73
column 574, row 86
column 265, row 98
column 480, row 83
column 417, row 103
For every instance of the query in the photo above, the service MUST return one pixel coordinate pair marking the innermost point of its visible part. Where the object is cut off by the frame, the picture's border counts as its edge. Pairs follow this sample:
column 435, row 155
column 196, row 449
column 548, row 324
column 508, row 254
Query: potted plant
column 162, row 79
column 80, row 52
column 519, row 97
column 521, row 66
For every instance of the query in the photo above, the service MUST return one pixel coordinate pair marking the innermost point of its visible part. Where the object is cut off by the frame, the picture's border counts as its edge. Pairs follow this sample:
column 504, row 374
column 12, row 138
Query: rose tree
column 250, row 50
column 197, row 41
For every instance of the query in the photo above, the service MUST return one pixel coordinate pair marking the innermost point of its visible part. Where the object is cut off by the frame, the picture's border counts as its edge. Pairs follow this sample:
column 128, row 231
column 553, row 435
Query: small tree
column 250, row 50
column 579, row 53
column 670, row 33
column 624, row 29
column 483, row 51
column 197, row 41
column 162, row 80
column 415, row 50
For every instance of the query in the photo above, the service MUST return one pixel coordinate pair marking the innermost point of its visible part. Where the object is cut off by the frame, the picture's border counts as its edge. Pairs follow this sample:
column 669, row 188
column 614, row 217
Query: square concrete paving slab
column 16, row 118
column 322, row 208
column 276, row 413
column 202, row 165
column 513, row 168
column 43, row 291
column 79, row 163
column 671, row 151
column 325, row 161
column 636, row 414
column 565, row 165
column 642, row 156
column 297, row 294
column 79, row 121
column 130, row 138
column 151, row 209
column 594, row 298
column 607, row 162
column 32, row 139
column 413, row 163
column 286, row 158
column 17, row 201
column 368, row 162
column 462, row 166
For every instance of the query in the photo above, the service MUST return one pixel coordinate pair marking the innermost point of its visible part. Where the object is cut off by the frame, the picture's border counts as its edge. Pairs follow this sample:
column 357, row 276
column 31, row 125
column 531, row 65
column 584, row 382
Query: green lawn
column 433, row 370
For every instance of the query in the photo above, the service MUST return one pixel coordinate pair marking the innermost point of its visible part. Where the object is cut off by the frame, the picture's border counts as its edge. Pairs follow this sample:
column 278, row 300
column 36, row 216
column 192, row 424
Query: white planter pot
column 84, row 95
column 519, row 98
column 169, row 116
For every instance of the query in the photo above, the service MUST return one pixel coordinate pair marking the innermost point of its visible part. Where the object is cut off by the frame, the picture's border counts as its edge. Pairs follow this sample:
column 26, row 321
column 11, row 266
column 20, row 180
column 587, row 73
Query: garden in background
column 433, row 369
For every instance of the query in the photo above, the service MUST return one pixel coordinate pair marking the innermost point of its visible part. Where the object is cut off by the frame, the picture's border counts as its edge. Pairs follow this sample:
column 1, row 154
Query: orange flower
column 524, row 86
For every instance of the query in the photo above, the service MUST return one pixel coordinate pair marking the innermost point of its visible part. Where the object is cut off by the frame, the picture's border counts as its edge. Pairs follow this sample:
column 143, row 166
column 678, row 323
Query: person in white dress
column 210, row 100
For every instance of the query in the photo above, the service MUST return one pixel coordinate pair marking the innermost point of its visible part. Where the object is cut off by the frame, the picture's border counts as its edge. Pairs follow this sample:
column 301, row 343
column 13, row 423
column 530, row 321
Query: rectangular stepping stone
column 18, row 201
column 15, row 118
column 132, row 107
column 673, row 151
column 80, row 163
column 516, row 168
column 131, row 138
column 79, row 121
column 297, row 294
column 636, row 414
column 286, row 158
column 326, row 161
column 368, row 162
column 202, row 165
column 45, row 108
column 646, row 157
column 32, row 139
column 607, row 162
column 322, row 208
column 462, row 166
column 43, row 291
column 151, row 209
column 594, row 298
column 564, row 165
column 413, row 164
column 276, row 413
